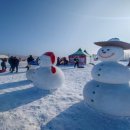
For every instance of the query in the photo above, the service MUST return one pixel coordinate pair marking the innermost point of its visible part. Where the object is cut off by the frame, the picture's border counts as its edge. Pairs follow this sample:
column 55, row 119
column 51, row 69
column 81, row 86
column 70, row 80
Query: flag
column 86, row 52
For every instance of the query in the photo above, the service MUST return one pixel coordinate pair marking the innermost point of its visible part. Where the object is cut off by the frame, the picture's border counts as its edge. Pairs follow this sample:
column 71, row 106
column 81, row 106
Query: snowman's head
column 47, row 59
column 110, row 53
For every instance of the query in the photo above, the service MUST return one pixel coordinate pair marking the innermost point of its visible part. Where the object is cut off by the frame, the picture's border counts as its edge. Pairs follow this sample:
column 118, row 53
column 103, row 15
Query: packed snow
column 25, row 107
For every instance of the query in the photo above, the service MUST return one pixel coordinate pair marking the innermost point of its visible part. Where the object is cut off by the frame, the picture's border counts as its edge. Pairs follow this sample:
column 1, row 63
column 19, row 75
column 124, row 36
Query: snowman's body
column 30, row 74
column 45, row 79
column 111, row 72
column 112, row 99
column 109, row 91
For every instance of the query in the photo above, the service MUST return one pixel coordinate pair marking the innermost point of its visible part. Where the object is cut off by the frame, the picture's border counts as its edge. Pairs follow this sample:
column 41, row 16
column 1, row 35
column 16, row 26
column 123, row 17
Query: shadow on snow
column 79, row 117
column 18, row 98
column 9, row 73
column 14, row 84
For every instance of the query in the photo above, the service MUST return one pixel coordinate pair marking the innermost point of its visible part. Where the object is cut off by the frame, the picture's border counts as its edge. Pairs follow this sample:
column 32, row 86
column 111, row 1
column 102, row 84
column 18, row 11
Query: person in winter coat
column 58, row 61
column 76, row 62
column 29, row 60
column 10, row 61
column 3, row 64
column 37, row 60
column 16, row 63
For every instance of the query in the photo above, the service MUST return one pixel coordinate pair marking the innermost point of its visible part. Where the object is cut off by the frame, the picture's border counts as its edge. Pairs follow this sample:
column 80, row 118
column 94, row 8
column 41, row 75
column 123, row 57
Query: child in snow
column 3, row 64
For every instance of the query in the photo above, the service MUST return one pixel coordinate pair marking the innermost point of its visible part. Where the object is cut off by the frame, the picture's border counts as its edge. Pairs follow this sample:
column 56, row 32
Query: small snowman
column 48, row 76
column 109, row 91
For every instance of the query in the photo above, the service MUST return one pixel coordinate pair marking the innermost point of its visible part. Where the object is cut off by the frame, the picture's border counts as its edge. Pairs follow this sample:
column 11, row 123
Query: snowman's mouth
column 106, row 56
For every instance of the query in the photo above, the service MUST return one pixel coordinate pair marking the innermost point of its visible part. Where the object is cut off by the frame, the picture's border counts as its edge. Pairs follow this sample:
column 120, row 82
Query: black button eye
column 102, row 50
column 92, row 100
column 93, row 92
column 108, row 49
column 97, row 86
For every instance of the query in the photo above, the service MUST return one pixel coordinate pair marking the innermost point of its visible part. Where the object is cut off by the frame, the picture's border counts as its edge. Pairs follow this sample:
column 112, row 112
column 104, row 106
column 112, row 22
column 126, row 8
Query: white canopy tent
column 4, row 56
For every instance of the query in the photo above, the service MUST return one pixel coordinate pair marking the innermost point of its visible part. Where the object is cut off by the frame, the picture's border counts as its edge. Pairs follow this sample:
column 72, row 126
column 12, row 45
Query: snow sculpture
column 109, row 91
column 47, row 76
column 30, row 74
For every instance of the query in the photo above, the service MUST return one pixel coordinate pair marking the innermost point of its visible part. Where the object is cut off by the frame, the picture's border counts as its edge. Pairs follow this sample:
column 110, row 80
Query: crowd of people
column 14, row 64
column 62, row 61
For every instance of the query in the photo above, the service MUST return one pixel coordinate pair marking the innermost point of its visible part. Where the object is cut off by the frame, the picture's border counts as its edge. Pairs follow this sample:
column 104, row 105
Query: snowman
column 30, row 73
column 109, row 91
column 48, row 76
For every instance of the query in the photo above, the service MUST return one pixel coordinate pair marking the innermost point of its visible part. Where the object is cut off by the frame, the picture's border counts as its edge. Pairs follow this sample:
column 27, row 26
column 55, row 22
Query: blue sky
column 62, row 26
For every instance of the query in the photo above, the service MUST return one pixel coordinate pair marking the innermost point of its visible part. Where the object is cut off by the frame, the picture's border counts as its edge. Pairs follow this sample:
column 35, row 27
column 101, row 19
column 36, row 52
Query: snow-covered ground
column 25, row 107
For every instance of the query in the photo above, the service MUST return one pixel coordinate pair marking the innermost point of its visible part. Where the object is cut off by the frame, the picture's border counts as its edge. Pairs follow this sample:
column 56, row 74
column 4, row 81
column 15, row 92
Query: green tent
column 80, row 55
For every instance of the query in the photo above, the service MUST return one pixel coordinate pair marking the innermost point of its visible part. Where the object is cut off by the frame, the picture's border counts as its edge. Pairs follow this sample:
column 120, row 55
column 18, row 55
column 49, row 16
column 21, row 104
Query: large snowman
column 47, row 76
column 109, row 91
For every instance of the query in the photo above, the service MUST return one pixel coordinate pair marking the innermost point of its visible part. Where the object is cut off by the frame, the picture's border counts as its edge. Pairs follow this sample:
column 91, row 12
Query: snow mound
column 30, row 74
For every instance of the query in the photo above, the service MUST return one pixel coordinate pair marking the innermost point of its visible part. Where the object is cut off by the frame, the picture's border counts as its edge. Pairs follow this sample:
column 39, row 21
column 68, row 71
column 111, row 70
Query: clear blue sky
column 62, row 26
